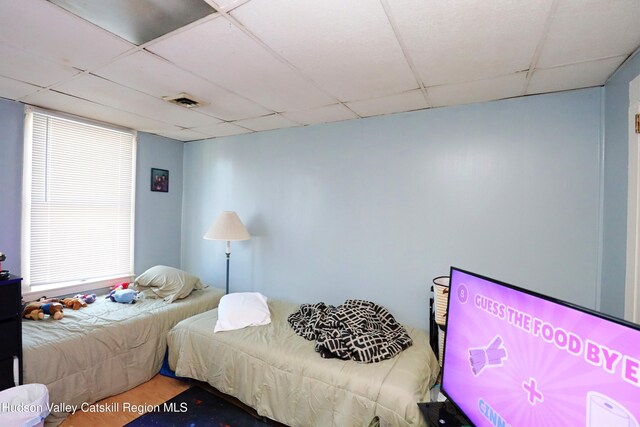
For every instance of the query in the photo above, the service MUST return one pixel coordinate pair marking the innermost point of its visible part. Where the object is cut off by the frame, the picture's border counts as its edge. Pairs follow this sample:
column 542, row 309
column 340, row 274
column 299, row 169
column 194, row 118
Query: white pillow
column 167, row 282
column 242, row 309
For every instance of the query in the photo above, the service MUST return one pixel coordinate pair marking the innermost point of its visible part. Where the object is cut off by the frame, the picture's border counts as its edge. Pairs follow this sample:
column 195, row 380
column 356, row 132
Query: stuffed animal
column 32, row 311
column 125, row 296
column 88, row 298
column 46, row 300
column 74, row 303
column 36, row 310
column 121, row 286
column 53, row 309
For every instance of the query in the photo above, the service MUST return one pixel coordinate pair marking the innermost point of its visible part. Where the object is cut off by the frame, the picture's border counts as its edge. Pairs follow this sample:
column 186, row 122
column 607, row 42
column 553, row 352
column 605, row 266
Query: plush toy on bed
column 88, row 298
column 121, row 286
column 37, row 309
column 125, row 296
column 74, row 303
column 33, row 311
column 53, row 309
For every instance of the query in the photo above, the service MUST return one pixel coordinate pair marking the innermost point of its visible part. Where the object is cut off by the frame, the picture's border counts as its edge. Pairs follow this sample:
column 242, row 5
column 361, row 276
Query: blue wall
column 615, row 186
column 370, row 208
column 375, row 208
column 157, row 214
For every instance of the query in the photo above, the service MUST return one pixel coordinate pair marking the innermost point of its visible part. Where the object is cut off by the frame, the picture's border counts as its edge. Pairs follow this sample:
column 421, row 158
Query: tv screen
column 516, row 358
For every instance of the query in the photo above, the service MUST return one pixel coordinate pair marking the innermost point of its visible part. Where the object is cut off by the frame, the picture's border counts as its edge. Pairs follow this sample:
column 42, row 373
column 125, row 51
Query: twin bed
column 281, row 376
column 108, row 348
column 103, row 349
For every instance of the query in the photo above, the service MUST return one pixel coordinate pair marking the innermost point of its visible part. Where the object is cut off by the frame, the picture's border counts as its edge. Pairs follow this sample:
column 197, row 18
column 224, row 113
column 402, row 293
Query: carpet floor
column 196, row 407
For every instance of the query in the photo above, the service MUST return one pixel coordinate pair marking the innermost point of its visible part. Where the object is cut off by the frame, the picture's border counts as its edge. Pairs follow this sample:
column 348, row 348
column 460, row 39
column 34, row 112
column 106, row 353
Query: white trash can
column 24, row 405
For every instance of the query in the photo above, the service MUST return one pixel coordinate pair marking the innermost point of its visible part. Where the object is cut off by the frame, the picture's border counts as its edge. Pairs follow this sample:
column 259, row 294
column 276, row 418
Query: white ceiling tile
column 83, row 108
column 14, row 89
column 183, row 135
column 274, row 121
column 453, row 42
column 585, row 74
column 296, row 57
column 330, row 113
column 407, row 101
column 583, row 30
column 222, row 129
column 48, row 31
column 220, row 52
column 477, row 91
column 347, row 47
column 30, row 68
column 229, row 4
column 106, row 92
column 155, row 76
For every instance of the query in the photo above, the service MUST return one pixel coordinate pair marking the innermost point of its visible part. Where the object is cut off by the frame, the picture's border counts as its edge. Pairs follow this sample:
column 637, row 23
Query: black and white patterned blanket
column 358, row 330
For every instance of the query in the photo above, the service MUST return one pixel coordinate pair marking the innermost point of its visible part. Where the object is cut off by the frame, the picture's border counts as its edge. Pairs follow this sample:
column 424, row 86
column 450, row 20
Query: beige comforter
column 105, row 348
column 278, row 373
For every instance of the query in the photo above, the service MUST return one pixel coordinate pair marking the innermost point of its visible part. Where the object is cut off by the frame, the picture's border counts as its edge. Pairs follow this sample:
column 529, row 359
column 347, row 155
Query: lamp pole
column 228, row 256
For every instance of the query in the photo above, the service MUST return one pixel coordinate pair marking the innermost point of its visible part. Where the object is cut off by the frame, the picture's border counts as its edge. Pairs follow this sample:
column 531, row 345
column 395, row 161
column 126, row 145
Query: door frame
column 632, row 285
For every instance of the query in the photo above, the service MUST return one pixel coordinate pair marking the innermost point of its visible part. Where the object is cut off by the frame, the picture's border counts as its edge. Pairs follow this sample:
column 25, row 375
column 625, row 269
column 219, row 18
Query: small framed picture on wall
column 160, row 180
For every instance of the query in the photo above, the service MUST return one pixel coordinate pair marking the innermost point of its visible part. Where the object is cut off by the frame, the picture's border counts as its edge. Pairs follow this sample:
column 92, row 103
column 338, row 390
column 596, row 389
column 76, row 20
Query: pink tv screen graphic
column 519, row 360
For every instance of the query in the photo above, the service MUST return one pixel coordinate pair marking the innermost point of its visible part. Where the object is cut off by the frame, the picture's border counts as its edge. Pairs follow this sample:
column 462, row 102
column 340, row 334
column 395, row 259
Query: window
column 78, row 206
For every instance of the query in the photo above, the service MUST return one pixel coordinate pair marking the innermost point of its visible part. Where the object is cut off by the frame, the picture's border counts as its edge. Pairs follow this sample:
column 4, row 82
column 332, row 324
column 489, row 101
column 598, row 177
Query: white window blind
column 79, row 210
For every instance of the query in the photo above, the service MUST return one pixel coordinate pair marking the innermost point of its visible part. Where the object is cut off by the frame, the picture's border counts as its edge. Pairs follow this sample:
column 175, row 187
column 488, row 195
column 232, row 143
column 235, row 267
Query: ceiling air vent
column 184, row 100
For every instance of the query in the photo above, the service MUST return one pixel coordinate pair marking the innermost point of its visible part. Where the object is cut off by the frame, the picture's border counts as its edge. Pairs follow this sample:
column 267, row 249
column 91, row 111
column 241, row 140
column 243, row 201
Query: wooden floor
column 154, row 392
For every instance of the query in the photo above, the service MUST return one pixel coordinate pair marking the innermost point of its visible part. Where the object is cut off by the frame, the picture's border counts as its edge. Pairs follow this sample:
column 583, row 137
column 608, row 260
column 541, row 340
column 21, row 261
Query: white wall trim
column 25, row 232
column 600, row 222
column 632, row 286
column 34, row 292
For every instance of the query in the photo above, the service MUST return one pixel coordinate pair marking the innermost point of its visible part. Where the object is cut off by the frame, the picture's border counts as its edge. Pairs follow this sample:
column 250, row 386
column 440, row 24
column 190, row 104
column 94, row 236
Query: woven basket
column 441, row 291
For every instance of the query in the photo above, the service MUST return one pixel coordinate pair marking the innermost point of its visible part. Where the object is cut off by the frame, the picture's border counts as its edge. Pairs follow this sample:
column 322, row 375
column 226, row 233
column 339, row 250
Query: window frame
column 74, row 286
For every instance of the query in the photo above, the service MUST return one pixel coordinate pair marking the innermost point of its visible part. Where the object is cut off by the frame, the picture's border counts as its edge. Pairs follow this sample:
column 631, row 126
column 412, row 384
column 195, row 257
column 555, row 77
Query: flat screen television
column 516, row 358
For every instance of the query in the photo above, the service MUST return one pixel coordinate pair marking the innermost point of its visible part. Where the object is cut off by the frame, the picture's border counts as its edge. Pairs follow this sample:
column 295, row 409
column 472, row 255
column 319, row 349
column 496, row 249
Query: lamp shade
column 227, row 227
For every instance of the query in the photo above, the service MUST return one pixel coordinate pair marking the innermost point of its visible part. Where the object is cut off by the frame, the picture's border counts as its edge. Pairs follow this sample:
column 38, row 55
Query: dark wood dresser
column 10, row 331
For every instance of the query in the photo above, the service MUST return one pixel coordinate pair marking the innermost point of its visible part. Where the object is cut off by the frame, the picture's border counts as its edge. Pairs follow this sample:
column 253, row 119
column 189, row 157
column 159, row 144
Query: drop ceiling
column 258, row 65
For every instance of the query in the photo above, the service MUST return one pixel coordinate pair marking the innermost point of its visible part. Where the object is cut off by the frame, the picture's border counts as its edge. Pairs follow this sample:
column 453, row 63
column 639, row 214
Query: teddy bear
column 32, row 311
column 88, row 298
column 74, row 303
column 53, row 309
column 37, row 309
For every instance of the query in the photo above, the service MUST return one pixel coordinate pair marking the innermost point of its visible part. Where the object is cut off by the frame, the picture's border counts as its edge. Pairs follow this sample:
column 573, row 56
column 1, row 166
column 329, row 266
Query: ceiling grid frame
column 405, row 50
column 368, row 57
column 272, row 52
column 540, row 46
column 165, row 60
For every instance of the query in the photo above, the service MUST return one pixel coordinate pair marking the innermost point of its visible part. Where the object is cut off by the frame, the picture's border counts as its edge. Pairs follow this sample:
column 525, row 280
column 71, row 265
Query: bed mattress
column 279, row 374
column 105, row 348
